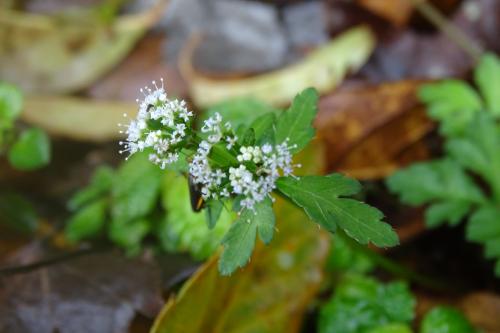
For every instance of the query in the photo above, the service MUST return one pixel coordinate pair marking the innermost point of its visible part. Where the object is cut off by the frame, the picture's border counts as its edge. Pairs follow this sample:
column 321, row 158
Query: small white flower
column 174, row 117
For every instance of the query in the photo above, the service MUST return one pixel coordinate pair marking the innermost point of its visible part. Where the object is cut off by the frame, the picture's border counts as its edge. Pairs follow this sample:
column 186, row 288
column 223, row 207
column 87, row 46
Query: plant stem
column 454, row 33
column 393, row 267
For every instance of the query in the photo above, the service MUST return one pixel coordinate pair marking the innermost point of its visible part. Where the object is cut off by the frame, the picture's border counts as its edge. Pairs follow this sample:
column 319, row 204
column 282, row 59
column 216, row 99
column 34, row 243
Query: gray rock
column 306, row 23
column 242, row 36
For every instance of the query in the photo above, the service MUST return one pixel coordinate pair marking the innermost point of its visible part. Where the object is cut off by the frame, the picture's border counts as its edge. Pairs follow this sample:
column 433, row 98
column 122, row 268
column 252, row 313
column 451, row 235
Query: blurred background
column 91, row 243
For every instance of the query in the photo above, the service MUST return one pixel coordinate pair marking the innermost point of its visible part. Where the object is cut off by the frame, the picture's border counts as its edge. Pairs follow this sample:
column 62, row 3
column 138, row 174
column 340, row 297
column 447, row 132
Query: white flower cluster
column 255, row 176
column 161, row 125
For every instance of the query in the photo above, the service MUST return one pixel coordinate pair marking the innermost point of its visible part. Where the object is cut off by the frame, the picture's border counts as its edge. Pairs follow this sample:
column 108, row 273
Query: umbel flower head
column 161, row 126
column 252, row 177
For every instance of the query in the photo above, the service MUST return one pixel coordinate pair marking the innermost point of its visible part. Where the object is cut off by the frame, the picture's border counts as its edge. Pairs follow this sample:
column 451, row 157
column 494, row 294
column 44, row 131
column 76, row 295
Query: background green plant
column 469, row 122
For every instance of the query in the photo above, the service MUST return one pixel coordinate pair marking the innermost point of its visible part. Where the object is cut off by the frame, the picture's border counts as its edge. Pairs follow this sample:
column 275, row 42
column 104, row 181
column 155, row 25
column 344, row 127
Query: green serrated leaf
column 487, row 77
column 100, row 184
column 88, row 222
column 239, row 241
column 135, row 188
column 479, row 150
column 240, row 111
column 31, row 150
column 11, row 103
column 295, row 124
column 452, row 102
column 346, row 259
column 445, row 320
column 433, row 181
column 451, row 211
column 264, row 128
column 361, row 304
column 320, row 198
column 129, row 234
column 248, row 139
column 484, row 224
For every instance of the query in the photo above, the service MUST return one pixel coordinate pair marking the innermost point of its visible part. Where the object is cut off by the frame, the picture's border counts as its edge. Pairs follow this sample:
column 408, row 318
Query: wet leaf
column 396, row 11
column 323, row 69
column 94, row 293
column 360, row 123
column 75, row 52
column 78, row 118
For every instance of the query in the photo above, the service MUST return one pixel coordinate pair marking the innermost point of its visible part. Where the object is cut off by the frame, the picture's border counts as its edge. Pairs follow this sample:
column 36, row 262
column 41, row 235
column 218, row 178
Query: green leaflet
column 239, row 241
column 320, row 197
column 295, row 124
column 240, row 111
column 31, row 150
column 101, row 183
column 487, row 77
column 87, row 222
column 451, row 102
column 484, row 228
column 445, row 319
column 443, row 183
column 392, row 328
column 263, row 128
column 361, row 304
column 11, row 103
column 479, row 150
column 129, row 234
column 181, row 229
column 135, row 189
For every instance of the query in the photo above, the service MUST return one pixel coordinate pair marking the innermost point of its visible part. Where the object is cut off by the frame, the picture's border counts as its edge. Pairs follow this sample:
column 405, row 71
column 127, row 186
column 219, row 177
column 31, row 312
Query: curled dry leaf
column 372, row 130
column 397, row 12
column 77, row 118
column 61, row 54
column 323, row 69
column 270, row 294
column 482, row 310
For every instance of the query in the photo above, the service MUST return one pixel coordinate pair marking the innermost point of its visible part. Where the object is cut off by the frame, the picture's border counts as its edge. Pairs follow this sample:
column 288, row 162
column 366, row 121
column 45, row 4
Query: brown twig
column 454, row 33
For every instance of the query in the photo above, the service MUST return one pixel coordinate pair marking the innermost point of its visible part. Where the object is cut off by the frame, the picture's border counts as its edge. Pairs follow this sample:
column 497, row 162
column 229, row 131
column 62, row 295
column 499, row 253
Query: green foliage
column 343, row 258
column 295, row 124
column 443, row 183
column 31, row 150
column 361, row 304
column 240, row 239
column 181, row 229
column 136, row 189
column 11, row 102
column 472, row 152
column 322, row 199
column 101, row 183
column 487, row 77
column 88, row 222
column 240, row 111
column 137, row 200
column 453, row 103
column 392, row 328
column 445, row 320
